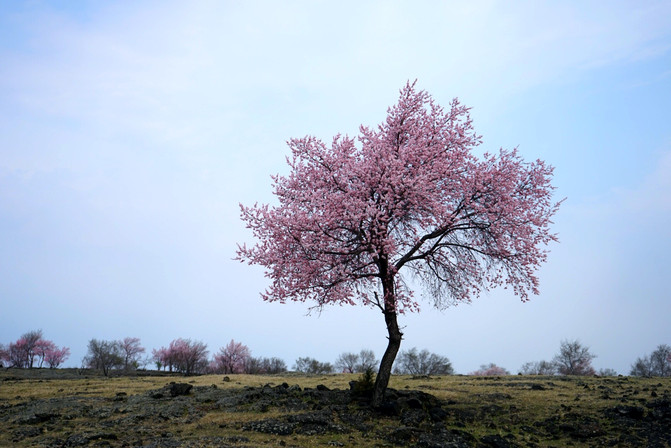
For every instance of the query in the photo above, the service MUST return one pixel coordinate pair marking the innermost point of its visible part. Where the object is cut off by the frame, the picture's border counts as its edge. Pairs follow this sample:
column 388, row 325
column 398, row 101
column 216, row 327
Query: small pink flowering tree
column 40, row 350
column 56, row 356
column 186, row 356
column 490, row 370
column 232, row 358
column 408, row 198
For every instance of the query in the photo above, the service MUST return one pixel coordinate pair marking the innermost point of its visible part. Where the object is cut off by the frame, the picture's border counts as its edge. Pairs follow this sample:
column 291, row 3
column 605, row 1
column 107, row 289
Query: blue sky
column 130, row 132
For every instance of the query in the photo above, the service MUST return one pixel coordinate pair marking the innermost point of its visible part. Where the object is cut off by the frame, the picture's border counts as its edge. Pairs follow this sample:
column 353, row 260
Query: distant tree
column 161, row 358
column 40, row 350
column 661, row 366
column 658, row 363
column 356, row 362
column 4, row 355
column 412, row 197
column 607, row 372
column 132, row 351
column 104, row 356
column 347, row 362
column 274, row 365
column 187, row 356
column 18, row 354
column 367, row 361
column 490, row 370
column 253, row 366
column 642, row 367
column 311, row 366
column 539, row 368
column 233, row 357
column 32, row 339
column 574, row 359
column 30, row 350
column 23, row 352
column 57, row 356
column 412, row 362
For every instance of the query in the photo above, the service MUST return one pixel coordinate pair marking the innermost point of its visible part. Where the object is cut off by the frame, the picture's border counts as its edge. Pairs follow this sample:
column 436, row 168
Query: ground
column 69, row 408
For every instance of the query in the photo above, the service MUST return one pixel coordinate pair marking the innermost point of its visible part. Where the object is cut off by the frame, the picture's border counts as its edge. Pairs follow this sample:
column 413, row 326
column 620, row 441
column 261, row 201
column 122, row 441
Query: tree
column 574, row 359
column 356, row 363
column 31, row 349
column 311, row 366
column 659, row 360
column 131, row 351
column 187, row 356
column 4, row 355
column 273, row 365
column 367, row 361
column 658, row 363
column 490, row 369
column 40, row 350
column 347, row 362
column 232, row 358
column 57, row 356
column 539, row 368
column 17, row 354
column 104, row 355
column 31, row 341
column 161, row 358
column 411, row 198
column 23, row 352
column 412, row 362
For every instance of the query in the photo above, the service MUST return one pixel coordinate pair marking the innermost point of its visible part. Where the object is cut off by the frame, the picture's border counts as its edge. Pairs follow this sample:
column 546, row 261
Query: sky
column 131, row 131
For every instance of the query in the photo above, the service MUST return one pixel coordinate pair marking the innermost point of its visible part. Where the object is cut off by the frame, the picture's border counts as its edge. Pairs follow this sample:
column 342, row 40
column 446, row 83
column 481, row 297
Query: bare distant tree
column 367, row 361
column 274, row 365
column 661, row 366
column 642, row 367
column 104, row 355
column 538, row 368
column 131, row 351
column 312, row 366
column 4, row 355
column 347, row 362
column 607, row 372
column 658, row 363
column 574, row 359
column 412, row 362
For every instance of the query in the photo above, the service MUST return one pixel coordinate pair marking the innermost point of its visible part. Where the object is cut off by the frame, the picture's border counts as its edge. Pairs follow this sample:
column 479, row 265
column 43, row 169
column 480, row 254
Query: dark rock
column 438, row 414
column 633, row 412
column 389, row 408
column 177, row 389
column 414, row 403
column 495, row 441
column 413, row 417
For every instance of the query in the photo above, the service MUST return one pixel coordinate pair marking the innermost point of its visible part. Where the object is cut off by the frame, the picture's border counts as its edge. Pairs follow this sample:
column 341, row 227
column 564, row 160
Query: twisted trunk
column 394, row 344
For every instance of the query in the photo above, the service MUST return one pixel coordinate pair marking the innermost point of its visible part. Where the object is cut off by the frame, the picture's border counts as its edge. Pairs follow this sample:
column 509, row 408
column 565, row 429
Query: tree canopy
column 408, row 197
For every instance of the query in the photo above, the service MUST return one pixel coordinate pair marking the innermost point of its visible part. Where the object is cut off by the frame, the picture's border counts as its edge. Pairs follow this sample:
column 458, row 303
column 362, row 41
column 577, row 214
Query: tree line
column 191, row 357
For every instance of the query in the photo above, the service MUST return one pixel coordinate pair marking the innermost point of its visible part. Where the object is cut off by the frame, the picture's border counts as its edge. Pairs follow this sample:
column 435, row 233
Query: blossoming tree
column 408, row 197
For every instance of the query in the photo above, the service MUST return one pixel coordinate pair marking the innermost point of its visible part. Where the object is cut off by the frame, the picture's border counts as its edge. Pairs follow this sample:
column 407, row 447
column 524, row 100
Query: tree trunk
column 383, row 375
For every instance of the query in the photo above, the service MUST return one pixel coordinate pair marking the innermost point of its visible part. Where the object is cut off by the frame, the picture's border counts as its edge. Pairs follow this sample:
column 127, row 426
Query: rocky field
column 67, row 408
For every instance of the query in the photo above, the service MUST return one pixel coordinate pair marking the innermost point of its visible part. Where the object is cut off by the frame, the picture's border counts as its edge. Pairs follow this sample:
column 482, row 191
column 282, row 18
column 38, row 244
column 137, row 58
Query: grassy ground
column 526, row 411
